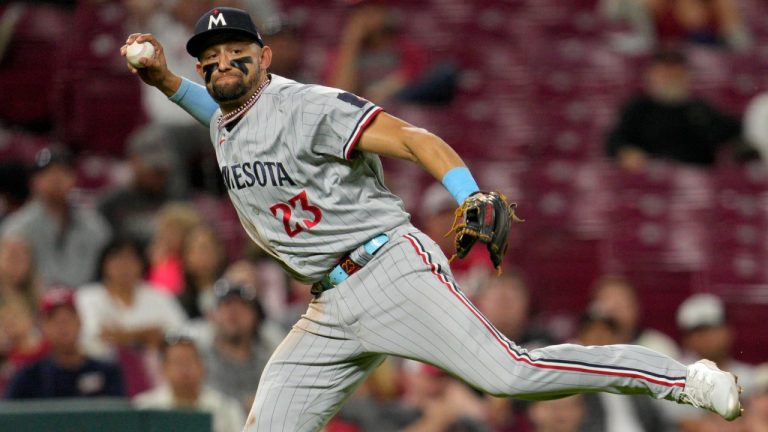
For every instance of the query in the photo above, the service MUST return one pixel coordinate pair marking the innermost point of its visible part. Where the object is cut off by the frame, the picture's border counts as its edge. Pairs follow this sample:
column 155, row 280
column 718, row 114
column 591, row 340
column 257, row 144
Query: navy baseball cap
column 222, row 20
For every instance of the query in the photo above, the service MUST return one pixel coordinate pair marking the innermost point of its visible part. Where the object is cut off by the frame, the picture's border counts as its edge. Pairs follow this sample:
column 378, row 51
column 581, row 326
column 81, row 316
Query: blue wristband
column 460, row 183
column 195, row 100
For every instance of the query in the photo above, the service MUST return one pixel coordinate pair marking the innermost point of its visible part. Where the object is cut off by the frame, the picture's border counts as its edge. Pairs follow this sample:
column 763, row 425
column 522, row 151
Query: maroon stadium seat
column 26, row 70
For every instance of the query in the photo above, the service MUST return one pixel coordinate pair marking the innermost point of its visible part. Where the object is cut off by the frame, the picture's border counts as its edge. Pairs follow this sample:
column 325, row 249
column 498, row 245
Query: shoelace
column 697, row 388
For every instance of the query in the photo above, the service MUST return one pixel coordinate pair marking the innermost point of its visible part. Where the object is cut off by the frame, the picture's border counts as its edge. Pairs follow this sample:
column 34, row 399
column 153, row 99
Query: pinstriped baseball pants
column 405, row 303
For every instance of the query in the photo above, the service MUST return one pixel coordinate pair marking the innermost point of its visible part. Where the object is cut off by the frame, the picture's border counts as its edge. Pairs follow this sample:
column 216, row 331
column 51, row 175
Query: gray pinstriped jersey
column 300, row 190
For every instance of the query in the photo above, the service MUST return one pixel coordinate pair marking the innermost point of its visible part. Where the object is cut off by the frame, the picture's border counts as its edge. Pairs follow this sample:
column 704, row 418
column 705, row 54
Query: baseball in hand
column 136, row 51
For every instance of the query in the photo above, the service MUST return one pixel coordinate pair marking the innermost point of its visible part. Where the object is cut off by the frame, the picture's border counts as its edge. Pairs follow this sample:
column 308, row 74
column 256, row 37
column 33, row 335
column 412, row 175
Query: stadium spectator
column 374, row 405
column 260, row 270
column 271, row 332
column 715, row 23
column 558, row 415
column 616, row 297
column 641, row 35
column 66, row 371
column 204, row 261
column 124, row 318
column 265, row 12
column 666, row 121
column 174, row 221
column 21, row 343
column 506, row 302
column 65, row 239
column 183, row 373
column 437, row 214
column 130, row 209
column 705, row 22
column 239, row 352
column 159, row 18
column 379, row 62
column 706, row 334
column 286, row 43
column 441, row 403
column 610, row 412
column 186, row 140
column 18, row 278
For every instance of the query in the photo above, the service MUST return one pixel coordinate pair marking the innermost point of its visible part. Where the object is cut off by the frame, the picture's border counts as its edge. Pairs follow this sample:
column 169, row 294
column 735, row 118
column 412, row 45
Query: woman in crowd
column 123, row 317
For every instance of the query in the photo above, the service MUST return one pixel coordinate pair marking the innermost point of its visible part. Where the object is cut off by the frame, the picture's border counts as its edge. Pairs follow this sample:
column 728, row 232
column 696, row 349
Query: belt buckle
column 346, row 267
column 317, row 288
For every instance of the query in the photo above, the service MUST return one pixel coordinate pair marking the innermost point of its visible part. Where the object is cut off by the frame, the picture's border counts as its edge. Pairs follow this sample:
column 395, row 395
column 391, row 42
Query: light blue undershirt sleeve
column 460, row 183
column 195, row 100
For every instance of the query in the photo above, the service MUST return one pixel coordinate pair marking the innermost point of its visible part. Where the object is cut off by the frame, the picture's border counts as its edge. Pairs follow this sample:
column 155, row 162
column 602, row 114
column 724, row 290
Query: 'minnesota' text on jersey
column 300, row 189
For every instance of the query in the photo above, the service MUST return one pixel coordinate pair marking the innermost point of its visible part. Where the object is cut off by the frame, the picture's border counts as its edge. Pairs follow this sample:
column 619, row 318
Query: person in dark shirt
column 667, row 122
column 65, row 372
column 130, row 209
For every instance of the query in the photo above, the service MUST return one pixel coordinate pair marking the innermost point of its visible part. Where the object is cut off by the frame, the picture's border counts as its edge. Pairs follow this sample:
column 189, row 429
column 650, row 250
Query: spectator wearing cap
column 65, row 239
column 702, row 322
column 123, row 316
column 706, row 334
column 66, row 371
column 239, row 352
column 130, row 209
column 437, row 214
column 183, row 373
column 666, row 121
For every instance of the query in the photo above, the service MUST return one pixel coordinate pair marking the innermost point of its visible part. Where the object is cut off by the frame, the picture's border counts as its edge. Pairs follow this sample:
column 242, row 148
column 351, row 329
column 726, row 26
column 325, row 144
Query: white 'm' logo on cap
column 216, row 20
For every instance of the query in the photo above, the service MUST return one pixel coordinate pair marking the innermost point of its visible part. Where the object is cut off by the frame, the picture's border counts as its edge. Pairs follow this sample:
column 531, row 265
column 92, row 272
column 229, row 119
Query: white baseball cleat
column 708, row 387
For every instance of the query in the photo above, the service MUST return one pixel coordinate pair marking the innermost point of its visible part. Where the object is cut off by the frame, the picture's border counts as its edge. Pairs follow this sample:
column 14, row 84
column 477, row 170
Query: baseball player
column 301, row 163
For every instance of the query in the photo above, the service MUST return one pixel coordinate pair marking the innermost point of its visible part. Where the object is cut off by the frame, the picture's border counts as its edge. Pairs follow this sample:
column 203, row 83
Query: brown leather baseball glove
column 484, row 216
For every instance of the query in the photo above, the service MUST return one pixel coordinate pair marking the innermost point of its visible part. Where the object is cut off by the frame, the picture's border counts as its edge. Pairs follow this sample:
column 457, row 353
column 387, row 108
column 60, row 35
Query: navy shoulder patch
column 352, row 99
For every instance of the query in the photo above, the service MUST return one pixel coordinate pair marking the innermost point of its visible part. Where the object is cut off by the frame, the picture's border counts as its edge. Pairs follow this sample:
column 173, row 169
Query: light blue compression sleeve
column 460, row 183
column 195, row 100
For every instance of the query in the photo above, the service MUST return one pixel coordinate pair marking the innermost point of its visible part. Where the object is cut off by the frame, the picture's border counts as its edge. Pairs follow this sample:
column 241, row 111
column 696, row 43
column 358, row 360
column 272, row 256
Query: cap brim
column 199, row 42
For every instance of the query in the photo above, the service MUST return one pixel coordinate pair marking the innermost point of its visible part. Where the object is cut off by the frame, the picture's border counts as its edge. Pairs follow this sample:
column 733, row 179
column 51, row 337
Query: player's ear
column 266, row 57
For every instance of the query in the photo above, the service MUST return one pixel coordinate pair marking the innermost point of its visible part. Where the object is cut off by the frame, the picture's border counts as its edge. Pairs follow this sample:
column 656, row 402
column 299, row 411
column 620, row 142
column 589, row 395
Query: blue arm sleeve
column 460, row 183
column 195, row 100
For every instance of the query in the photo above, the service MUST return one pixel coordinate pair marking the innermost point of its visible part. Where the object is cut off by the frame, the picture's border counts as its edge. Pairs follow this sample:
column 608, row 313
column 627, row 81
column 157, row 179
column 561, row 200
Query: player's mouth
column 227, row 77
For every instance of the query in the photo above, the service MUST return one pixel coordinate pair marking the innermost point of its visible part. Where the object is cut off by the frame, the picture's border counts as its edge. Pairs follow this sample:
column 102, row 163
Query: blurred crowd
column 124, row 272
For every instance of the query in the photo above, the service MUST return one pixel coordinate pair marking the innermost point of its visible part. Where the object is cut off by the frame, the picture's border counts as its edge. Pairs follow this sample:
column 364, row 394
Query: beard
column 229, row 92
column 233, row 90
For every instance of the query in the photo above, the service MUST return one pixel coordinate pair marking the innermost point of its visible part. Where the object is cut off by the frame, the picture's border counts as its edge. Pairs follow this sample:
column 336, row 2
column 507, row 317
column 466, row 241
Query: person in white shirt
column 121, row 309
column 183, row 371
column 703, row 324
